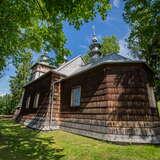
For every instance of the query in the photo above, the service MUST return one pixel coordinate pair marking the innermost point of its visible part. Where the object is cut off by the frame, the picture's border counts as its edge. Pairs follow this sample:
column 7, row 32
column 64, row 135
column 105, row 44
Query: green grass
column 20, row 143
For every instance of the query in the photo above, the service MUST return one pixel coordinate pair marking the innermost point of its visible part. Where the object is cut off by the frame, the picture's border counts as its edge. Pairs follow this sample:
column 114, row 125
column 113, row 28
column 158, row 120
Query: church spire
column 95, row 45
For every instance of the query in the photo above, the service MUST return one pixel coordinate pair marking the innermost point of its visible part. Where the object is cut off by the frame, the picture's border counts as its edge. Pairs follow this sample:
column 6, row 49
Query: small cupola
column 41, row 67
column 95, row 46
column 44, row 59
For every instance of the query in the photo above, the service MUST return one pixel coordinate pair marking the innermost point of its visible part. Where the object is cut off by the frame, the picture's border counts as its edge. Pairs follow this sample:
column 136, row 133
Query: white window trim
column 36, row 100
column 73, row 104
column 28, row 102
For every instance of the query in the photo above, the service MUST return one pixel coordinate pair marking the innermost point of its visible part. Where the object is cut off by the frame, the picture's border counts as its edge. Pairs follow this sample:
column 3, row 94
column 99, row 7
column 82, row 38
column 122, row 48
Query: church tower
column 40, row 67
column 95, row 46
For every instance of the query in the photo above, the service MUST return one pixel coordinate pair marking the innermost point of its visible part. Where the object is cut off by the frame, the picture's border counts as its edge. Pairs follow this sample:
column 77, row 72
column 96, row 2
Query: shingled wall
column 43, row 117
column 114, row 105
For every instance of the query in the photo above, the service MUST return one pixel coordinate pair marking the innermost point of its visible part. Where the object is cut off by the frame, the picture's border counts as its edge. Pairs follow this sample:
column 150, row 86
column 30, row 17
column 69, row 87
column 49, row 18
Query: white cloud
column 123, row 47
column 3, row 93
column 116, row 3
column 83, row 46
column 124, row 51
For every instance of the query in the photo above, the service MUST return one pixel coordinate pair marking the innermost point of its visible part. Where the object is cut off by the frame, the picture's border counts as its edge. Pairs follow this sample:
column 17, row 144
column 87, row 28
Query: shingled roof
column 114, row 57
column 107, row 59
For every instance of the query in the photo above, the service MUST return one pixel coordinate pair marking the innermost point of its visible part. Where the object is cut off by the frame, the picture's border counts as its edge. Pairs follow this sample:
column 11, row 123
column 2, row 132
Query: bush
column 6, row 105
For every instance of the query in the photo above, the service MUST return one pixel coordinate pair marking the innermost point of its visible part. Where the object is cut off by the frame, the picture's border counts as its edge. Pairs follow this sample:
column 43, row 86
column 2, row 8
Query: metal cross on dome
column 94, row 38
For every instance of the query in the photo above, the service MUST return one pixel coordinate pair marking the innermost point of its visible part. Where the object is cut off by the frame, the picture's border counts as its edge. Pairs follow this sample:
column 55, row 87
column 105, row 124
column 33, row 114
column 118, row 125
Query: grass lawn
column 20, row 143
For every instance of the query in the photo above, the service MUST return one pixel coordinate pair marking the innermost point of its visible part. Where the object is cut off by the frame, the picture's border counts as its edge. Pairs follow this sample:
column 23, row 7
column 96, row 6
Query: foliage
column 9, row 102
column 144, row 20
column 22, row 65
column 144, row 39
column 109, row 45
column 18, row 142
column 6, row 105
column 157, row 89
column 87, row 57
column 36, row 25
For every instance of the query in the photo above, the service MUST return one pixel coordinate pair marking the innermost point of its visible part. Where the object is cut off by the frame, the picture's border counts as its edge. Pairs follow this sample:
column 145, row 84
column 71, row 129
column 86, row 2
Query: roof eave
column 120, row 62
column 51, row 71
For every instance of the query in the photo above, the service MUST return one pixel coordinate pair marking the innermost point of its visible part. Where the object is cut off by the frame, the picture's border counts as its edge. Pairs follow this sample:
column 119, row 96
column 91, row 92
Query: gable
column 71, row 66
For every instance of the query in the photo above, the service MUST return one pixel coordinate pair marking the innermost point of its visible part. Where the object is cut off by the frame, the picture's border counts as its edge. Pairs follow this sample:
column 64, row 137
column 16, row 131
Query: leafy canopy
column 5, row 104
column 37, row 25
column 144, row 39
column 144, row 20
column 17, row 82
column 109, row 45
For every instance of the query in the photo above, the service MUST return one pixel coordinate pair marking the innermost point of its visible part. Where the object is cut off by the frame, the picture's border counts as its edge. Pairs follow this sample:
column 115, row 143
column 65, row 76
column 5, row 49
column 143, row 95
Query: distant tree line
column 6, row 104
column 22, row 64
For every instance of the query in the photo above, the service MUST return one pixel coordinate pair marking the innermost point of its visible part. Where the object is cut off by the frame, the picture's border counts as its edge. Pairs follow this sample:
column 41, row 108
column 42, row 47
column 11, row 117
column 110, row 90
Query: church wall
column 40, row 117
column 31, row 115
column 114, row 105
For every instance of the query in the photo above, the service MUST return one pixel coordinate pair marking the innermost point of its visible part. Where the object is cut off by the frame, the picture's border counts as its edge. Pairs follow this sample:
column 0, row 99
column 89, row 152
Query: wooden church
column 110, row 98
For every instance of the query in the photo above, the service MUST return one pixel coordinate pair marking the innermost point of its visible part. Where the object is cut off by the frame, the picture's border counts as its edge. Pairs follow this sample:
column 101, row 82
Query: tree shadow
column 40, row 115
column 37, row 117
column 18, row 142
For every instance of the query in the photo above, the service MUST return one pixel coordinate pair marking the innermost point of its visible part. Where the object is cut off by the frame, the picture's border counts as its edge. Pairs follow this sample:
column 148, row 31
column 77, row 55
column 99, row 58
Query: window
column 28, row 102
column 75, row 96
column 36, row 100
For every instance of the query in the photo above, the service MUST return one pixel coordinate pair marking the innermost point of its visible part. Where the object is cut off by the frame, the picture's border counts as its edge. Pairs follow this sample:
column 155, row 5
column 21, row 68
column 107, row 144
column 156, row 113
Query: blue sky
column 78, row 41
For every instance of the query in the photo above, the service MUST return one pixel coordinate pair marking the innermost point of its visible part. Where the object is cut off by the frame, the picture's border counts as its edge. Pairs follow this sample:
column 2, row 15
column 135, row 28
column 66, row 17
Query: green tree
column 144, row 39
column 109, row 45
column 144, row 20
column 5, row 104
column 22, row 65
column 36, row 25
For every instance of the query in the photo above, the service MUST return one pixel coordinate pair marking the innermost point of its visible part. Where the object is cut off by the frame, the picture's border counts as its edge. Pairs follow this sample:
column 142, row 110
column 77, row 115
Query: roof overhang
column 109, row 63
column 44, row 75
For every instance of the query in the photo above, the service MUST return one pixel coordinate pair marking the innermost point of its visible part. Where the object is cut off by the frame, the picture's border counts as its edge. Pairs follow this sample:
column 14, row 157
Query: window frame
column 72, row 102
column 36, row 100
column 28, row 102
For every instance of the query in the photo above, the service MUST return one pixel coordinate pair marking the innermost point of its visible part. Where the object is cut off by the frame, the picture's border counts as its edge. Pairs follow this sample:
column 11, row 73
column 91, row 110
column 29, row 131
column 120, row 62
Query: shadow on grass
column 20, row 143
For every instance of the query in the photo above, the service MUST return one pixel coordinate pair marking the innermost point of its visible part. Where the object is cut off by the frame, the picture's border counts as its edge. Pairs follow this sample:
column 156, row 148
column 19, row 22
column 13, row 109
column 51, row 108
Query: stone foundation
column 116, row 138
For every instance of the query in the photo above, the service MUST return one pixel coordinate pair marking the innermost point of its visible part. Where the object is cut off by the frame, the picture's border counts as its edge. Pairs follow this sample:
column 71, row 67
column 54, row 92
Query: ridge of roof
column 117, row 55
column 110, row 57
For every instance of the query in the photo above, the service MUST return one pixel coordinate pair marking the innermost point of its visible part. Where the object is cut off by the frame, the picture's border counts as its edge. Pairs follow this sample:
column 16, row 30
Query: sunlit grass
column 20, row 143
